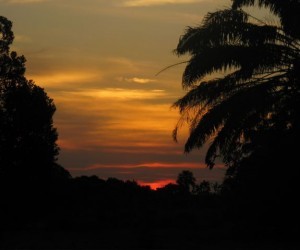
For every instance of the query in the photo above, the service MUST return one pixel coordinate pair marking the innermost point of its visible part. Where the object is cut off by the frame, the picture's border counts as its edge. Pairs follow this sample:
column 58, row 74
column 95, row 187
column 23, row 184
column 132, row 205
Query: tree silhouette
column 204, row 188
column 287, row 11
column 186, row 181
column 258, row 86
column 28, row 146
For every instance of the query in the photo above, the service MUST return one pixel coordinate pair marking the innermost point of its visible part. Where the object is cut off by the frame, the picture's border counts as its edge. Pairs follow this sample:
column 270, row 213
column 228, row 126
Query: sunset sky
column 98, row 59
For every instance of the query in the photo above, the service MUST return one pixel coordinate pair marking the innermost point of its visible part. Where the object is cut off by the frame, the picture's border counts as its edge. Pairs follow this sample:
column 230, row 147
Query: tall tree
column 28, row 148
column 186, row 181
column 255, row 85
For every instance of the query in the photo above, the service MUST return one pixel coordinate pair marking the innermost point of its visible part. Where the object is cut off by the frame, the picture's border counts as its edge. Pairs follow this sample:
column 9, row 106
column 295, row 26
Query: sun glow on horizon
column 157, row 184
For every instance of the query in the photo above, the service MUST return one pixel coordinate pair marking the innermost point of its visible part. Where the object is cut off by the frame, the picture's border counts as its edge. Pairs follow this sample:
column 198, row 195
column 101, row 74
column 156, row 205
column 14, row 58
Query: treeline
column 93, row 203
column 124, row 214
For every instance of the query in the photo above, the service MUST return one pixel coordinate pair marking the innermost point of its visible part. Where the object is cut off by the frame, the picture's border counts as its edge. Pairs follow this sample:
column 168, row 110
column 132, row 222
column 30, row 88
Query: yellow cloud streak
column 139, row 80
column 119, row 93
column 61, row 79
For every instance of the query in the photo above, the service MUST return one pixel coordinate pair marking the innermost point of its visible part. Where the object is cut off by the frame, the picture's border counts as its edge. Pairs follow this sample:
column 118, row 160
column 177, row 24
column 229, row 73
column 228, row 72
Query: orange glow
column 67, row 144
column 157, row 184
column 174, row 165
column 65, row 78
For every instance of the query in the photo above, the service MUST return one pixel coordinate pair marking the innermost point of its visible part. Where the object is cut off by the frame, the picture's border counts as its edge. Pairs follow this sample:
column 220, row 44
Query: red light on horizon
column 156, row 184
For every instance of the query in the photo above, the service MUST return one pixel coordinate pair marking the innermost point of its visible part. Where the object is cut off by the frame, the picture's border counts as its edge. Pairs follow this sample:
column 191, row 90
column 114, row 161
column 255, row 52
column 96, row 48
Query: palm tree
column 257, row 86
column 288, row 12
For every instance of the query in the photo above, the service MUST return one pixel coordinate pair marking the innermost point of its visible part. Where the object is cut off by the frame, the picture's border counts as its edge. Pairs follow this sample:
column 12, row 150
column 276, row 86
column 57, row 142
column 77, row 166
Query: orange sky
column 98, row 59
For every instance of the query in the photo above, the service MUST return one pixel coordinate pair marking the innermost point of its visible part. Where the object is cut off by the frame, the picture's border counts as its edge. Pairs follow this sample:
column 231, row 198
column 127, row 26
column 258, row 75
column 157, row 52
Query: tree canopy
column 28, row 138
column 186, row 181
column 287, row 11
column 256, row 83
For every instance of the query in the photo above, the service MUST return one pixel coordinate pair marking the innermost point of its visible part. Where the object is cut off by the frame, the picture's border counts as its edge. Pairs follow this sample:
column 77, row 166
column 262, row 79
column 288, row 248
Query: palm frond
column 214, row 91
column 252, row 99
column 288, row 12
column 256, row 59
column 260, row 64
column 224, row 28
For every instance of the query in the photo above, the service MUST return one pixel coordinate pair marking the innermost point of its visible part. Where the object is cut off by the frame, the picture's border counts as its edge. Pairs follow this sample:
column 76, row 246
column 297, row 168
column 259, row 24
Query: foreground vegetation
column 87, row 212
column 251, row 114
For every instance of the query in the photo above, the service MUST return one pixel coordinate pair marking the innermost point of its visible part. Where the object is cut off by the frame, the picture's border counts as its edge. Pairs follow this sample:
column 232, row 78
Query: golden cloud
column 139, row 80
column 62, row 79
column 119, row 93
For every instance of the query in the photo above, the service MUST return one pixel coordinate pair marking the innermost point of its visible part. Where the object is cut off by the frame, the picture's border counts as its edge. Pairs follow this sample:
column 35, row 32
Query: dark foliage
column 251, row 113
column 259, row 86
column 91, row 213
column 28, row 149
column 288, row 12
column 186, row 181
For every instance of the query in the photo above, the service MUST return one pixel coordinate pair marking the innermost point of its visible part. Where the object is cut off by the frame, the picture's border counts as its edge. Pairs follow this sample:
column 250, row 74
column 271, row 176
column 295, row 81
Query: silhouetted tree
column 186, row 181
column 287, row 11
column 60, row 173
column 260, row 84
column 216, row 187
column 169, row 189
column 28, row 148
column 270, row 170
column 203, row 188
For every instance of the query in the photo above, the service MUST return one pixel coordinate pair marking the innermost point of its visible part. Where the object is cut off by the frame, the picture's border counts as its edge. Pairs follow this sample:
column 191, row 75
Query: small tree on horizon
column 186, row 181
